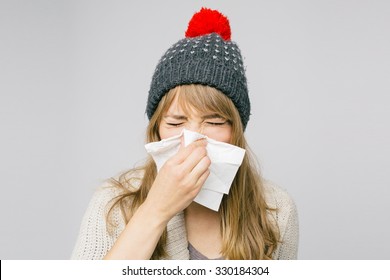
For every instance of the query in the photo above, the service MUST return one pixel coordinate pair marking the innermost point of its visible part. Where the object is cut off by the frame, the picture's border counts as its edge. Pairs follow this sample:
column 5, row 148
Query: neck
column 196, row 210
column 201, row 220
column 203, row 229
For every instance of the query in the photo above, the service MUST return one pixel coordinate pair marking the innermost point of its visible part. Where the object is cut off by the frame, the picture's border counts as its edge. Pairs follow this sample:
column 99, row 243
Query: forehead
column 191, row 100
column 177, row 108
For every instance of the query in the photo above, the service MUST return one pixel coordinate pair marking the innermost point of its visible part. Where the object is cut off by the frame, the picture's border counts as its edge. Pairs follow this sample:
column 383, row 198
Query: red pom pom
column 208, row 21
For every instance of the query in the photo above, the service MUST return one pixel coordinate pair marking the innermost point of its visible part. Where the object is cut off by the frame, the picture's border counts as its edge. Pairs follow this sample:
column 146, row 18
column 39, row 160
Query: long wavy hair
column 248, row 229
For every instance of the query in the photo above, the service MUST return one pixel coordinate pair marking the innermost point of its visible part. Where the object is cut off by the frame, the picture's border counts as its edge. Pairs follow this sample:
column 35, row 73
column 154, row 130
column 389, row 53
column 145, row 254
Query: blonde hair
column 248, row 230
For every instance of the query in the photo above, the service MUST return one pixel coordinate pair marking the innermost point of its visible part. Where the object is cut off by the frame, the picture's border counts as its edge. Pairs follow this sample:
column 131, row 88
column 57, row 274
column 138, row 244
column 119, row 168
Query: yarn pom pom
column 208, row 21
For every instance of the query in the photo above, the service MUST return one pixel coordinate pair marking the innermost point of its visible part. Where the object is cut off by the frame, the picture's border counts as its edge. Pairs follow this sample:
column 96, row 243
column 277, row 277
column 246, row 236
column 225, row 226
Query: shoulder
column 130, row 180
column 276, row 196
column 116, row 186
column 94, row 240
column 96, row 236
column 285, row 213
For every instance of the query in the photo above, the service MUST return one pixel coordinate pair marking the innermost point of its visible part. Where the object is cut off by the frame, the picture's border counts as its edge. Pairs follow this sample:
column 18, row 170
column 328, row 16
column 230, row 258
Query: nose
column 195, row 127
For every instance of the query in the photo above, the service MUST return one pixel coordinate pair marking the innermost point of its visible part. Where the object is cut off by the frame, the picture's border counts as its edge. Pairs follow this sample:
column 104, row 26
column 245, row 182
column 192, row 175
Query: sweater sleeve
column 286, row 217
column 94, row 240
column 290, row 237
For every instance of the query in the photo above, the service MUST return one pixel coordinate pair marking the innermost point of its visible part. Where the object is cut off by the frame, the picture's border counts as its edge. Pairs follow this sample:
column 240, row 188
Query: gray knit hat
column 206, row 56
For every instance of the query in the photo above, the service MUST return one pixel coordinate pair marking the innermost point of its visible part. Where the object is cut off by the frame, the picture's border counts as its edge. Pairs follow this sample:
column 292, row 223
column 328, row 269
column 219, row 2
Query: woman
column 200, row 85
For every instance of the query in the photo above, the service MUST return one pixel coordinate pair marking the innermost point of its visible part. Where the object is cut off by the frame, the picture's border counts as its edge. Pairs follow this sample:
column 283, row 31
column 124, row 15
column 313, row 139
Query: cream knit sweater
column 94, row 241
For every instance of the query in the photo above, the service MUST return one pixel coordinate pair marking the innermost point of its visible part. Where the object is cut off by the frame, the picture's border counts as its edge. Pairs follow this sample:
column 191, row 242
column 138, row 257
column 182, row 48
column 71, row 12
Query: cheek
column 221, row 135
column 169, row 132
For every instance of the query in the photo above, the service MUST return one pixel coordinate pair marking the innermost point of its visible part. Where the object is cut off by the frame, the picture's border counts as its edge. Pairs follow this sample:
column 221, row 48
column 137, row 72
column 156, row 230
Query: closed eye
column 216, row 123
column 174, row 124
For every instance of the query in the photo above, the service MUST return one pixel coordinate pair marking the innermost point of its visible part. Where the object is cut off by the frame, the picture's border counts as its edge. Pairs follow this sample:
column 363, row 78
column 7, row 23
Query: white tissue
column 225, row 161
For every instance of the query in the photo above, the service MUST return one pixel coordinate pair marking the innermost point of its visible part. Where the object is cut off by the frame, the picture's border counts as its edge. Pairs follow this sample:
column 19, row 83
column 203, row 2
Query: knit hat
column 205, row 56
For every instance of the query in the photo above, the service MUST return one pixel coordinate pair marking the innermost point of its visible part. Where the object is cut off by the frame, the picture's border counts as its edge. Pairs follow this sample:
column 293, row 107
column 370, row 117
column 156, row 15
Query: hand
column 179, row 180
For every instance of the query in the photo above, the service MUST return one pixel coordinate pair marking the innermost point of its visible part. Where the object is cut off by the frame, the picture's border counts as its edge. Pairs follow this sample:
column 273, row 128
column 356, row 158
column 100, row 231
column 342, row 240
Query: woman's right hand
column 179, row 180
column 175, row 187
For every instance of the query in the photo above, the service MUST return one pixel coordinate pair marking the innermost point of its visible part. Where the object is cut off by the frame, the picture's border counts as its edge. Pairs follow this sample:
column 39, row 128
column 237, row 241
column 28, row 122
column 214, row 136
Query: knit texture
column 207, row 60
column 94, row 241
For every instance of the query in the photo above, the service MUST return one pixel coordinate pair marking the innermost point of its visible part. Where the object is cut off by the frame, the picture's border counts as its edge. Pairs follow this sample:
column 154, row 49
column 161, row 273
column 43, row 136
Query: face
column 208, row 123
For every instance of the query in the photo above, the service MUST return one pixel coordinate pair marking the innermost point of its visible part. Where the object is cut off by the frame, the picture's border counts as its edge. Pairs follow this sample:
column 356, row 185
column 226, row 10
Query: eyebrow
column 177, row 117
column 212, row 116
column 205, row 117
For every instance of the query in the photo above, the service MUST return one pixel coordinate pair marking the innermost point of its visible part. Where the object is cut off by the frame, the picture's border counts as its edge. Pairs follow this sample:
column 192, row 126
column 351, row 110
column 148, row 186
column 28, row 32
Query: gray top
column 196, row 255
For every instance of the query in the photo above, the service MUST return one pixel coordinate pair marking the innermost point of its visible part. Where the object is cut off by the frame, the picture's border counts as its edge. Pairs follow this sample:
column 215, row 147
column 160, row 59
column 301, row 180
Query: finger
column 197, row 182
column 197, row 172
column 193, row 159
column 184, row 152
column 201, row 180
column 201, row 167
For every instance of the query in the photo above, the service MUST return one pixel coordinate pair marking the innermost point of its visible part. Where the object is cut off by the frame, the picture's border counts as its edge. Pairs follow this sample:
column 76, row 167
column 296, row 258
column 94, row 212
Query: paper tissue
column 225, row 161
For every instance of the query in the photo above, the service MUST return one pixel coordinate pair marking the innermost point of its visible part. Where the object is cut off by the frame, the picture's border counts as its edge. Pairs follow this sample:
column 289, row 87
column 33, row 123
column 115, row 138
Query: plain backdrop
column 74, row 78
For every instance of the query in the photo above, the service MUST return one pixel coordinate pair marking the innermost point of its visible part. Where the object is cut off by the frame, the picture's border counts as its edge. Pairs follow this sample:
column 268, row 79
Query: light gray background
column 74, row 77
